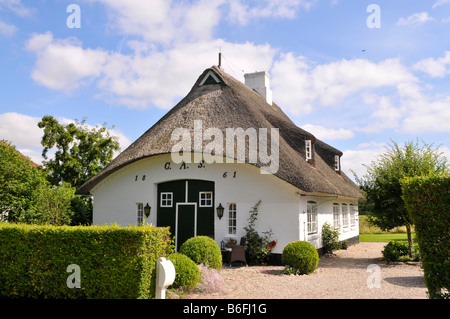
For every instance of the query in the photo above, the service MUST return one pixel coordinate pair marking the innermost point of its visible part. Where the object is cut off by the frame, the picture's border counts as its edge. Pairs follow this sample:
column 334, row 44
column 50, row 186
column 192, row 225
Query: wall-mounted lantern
column 147, row 210
column 220, row 210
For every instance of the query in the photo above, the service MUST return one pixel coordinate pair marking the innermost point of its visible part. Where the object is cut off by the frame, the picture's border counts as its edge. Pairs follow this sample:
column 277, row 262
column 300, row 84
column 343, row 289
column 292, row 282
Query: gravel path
column 344, row 275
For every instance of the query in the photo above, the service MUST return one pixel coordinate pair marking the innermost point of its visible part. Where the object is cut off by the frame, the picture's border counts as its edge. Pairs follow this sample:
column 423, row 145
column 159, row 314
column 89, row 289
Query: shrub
column 203, row 250
column 427, row 199
column 330, row 238
column 300, row 255
column 114, row 261
column 187, row 274
column 394, row 250
column 210, row 280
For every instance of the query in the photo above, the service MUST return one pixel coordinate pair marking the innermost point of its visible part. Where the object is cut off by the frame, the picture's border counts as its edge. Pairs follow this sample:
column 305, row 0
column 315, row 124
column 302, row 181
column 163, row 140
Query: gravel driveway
column 344, row 275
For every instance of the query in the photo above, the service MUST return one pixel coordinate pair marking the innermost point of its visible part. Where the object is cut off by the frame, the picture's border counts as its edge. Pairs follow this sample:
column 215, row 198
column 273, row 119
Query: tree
column 25, row 194
column 81, row 152
column 381, row 183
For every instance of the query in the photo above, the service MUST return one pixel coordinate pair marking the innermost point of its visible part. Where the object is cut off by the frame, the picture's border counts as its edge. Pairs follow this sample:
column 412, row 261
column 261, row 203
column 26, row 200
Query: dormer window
column 308, row 150
column 337, row 166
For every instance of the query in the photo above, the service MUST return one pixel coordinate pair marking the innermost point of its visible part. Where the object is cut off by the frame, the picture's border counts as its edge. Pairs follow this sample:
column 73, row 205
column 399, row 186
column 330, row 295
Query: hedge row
column 113, row 261
column 427, row 199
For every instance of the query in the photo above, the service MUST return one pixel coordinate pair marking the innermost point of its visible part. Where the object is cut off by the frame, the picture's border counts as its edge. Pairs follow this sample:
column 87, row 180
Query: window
column 344, row 216
column 232, row 219
column 206, row 199
column 336, row 163
column 308, row 149
column 166, row 199
column 352, row 215
column 336, row 216
column 311, row 210
column 140, row 213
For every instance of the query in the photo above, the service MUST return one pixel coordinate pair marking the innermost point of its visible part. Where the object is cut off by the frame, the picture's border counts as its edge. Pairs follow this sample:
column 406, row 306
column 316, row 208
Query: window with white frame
column 352, row 215
column 140, row 213
column 308, row 149
column 232, row 219
column 166, row 199
column 311, row 211
column 344, row 215
column 336, row 163
column 206, row 199
column 336, row 216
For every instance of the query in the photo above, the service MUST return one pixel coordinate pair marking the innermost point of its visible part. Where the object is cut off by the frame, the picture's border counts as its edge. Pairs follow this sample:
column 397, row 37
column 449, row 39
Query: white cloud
column 16, row 7
column 440, row 3
column 301, row 86
column 364, row 154
column 435, row 67
column 242, row 12
column 385, row 114
column 7, row 29
column 415, row 19
column 143, row 78
column 63, row 64
column 20, row 129
column 164, row 21
column 324, row 133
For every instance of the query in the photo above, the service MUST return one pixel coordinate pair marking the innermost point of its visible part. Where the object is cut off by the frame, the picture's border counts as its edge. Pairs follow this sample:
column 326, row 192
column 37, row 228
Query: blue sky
column 129, row 62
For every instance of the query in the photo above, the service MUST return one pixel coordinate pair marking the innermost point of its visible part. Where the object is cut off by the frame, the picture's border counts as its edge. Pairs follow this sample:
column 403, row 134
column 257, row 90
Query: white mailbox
column 165, row 276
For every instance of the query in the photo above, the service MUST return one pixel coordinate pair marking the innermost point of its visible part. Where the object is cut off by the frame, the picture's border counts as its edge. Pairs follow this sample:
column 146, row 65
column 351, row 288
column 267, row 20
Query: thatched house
column 185, row 170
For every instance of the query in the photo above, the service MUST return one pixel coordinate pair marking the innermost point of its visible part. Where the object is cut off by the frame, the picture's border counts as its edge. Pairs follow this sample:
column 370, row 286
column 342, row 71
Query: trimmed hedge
column 427, row 199
column 114, row 261
column 301, row 255
column 203, row 250
column 187, row 274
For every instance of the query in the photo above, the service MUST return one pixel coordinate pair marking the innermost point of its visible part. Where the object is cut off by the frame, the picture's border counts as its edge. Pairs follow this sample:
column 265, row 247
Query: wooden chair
column 238, row 252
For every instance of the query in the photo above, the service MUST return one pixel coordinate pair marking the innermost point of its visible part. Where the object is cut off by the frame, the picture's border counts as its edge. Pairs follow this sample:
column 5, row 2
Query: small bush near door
column 187, row 274
column 203, row 250
column 300, row 257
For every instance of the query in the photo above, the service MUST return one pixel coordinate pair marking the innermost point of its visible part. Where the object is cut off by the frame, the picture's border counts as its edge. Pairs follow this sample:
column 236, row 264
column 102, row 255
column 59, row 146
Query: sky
column 357, row 74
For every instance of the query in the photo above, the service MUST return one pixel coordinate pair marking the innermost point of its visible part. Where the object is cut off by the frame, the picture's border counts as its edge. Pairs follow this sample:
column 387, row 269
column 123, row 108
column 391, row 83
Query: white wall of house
column 282, row 210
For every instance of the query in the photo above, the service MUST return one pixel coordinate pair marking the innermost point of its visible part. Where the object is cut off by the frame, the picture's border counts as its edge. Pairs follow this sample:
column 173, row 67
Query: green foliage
column 330, row 238
column 300, row 255
column 258, row 248
column 203, row 250
column 81, row 152
column 394, row 249
column 25, row 194
column 381, row 184
column 427, row 200
column 114, row 261
column 187, row 274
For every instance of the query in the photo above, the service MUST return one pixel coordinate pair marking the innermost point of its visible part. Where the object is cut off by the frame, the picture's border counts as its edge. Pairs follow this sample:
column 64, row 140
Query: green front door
column 187, row 207
column 186, row 226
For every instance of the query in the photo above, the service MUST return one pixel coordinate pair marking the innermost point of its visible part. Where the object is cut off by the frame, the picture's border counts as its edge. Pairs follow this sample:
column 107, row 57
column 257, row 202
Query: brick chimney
column 260, row 82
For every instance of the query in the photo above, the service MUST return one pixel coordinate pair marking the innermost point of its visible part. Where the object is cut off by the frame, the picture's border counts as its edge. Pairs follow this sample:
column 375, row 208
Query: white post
column 165, row 276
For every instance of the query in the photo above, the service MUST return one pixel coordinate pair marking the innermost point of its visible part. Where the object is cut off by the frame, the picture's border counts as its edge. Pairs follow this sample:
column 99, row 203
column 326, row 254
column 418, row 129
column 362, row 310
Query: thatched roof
column 231, row 104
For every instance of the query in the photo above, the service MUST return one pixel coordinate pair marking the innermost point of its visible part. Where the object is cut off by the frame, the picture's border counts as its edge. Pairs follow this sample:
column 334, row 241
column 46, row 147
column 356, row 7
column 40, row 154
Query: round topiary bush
column 300, row 255
column 203, row 250
column 187, row 274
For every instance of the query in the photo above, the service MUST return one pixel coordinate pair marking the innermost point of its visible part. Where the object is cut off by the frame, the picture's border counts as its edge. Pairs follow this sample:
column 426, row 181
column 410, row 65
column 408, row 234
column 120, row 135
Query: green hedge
column 114, row 261
column 427, row 199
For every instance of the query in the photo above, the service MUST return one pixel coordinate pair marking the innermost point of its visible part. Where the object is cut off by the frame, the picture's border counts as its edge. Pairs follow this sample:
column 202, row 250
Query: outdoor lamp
column 220, row 211
column 147, row 210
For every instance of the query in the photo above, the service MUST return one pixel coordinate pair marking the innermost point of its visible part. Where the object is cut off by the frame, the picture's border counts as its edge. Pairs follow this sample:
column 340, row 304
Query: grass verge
column 382, row 237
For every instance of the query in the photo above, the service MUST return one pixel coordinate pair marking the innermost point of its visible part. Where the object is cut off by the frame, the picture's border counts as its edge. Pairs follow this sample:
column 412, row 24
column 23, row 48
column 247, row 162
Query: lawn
column 370, row 233
column 382, row 237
